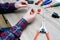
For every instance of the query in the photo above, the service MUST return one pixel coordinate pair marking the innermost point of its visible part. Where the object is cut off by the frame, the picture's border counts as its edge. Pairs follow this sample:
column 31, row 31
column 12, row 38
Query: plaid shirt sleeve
column 7, row 7
column 13, row 33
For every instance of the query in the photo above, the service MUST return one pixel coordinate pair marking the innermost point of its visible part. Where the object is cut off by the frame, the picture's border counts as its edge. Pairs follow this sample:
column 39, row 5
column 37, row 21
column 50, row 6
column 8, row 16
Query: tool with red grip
column 42, row 30
column 37, row 3
column 37, row 34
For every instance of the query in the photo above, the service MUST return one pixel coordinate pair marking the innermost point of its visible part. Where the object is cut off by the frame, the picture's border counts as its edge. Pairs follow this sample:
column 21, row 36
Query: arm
column 11, row 7
column 7, row 7
column 14, row 32
column 19, row 27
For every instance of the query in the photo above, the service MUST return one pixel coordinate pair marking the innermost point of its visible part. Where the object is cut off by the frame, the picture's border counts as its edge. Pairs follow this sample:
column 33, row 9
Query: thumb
column 23, row 2
column 34, row 12
column 23, row 5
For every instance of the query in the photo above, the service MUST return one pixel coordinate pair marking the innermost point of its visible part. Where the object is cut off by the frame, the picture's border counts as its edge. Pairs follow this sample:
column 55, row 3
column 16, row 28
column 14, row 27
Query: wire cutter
column 42, row 30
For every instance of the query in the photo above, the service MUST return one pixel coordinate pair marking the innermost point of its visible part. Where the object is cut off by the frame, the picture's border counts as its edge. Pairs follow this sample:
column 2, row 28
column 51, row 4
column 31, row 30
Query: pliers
column 42, row 30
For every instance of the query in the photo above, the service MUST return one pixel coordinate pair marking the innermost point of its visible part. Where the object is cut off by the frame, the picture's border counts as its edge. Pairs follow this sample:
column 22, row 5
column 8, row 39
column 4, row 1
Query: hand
column 30, row 17
column 20, row 4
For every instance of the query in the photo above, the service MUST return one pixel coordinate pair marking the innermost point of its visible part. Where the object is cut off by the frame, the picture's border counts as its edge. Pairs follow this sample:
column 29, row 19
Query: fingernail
column 23, row 3
column 32, row 11
column 39, row 10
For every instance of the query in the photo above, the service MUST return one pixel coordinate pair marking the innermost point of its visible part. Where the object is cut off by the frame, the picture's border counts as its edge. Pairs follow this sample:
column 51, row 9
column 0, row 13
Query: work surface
column 52, row 24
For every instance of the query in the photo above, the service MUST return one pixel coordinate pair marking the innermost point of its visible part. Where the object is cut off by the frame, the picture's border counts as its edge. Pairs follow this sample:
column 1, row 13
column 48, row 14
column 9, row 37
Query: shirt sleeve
column 19, row 27
column 14, row 32
column 7, row 7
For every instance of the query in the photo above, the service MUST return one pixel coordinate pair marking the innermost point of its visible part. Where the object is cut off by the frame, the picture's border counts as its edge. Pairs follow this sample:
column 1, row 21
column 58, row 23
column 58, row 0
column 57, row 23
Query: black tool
column 55, row 15
column 30, row 1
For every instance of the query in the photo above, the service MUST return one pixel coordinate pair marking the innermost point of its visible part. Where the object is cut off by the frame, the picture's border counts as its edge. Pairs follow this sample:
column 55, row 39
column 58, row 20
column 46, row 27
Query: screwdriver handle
column 37, row 3
column 55, row 5
column 37, row 34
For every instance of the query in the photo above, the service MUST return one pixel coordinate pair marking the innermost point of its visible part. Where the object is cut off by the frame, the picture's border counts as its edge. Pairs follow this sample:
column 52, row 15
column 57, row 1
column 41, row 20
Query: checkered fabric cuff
column 23, row 23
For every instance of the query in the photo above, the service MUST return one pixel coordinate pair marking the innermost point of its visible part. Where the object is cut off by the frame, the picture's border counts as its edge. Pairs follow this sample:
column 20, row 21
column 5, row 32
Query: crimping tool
column 42, row 30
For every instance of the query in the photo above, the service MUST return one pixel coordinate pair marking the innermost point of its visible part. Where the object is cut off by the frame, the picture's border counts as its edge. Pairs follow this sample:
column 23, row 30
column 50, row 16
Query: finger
column 38, row 11
column 32, row 11
column 29, row 10
column 35, row 12
column 24, row 3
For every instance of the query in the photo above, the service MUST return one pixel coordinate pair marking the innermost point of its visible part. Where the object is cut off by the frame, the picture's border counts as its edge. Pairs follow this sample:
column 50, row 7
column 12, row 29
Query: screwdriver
column 55, row 5
column 30, row 1
column 46, row 2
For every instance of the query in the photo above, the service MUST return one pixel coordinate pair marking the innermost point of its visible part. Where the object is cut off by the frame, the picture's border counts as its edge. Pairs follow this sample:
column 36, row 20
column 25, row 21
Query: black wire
column 4, row 18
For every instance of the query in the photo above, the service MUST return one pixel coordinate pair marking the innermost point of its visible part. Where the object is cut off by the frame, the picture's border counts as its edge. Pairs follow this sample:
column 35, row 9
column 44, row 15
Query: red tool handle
column 37, row 34
column 47, row 35
column 37, row 3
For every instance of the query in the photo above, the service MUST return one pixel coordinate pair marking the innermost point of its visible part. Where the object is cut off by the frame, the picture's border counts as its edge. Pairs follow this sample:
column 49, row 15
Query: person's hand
column 20, row 4
column 30, row 17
